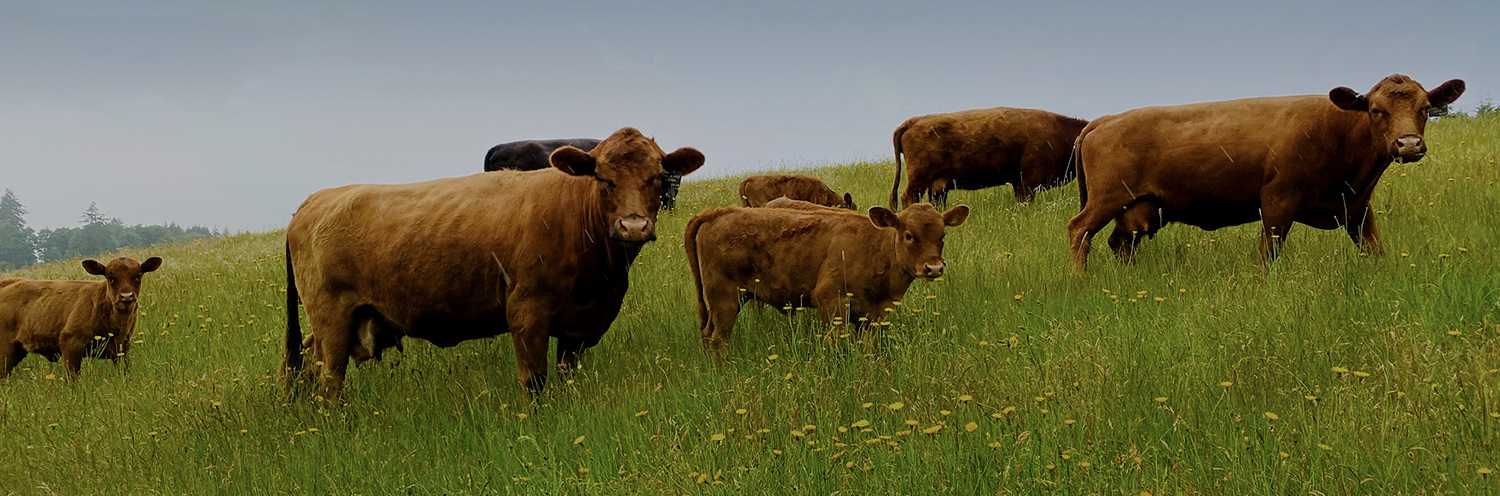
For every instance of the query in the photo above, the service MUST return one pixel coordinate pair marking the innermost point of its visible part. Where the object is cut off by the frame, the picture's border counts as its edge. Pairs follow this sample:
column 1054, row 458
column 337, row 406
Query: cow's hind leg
column 1276, row 222
column 1140, row 220
column 1082, row 227
column 723, row 304
column 335, row 335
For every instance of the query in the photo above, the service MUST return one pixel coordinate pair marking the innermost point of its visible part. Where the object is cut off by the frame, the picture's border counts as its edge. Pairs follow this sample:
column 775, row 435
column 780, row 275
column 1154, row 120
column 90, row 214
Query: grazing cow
column 536, row 254
column 975, row 149
column 784, row 202
column 1311, row 159
column 755, row 191
column 825, row 259
column 71, row 319
column 530, row 154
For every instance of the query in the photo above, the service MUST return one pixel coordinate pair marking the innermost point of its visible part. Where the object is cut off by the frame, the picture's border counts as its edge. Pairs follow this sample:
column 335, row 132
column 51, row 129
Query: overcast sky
column 228, row 114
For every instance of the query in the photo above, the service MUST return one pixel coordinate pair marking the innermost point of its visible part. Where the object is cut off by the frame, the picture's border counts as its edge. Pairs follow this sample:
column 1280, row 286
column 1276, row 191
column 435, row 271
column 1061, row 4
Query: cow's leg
column 334, row 333
column 1131, row 228
column 1081, row 230
column 569, row 351
column 723, row 303
column 1024, row 194
column 915, row 188
column 12, row 355
column 530, row 322
column 72, row 356
column 1363, row 231
column 1276, row 222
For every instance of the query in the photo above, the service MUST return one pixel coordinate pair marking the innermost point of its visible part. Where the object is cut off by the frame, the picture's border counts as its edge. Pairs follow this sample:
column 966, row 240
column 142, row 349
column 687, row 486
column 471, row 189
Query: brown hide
column 973, row 149
column 1311, row 159
column 756, row 191
column 537, row 254
column 784, row 202
column 71, row 319
column 823, row 259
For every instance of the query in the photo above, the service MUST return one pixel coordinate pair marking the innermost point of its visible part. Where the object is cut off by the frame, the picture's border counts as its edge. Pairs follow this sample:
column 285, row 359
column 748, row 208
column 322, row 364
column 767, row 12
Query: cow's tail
column 690, row 245
column 291, row 364
column 896, row 141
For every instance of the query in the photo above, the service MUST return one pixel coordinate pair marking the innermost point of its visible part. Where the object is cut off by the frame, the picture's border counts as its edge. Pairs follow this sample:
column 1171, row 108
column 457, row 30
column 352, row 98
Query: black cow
column 531, row 154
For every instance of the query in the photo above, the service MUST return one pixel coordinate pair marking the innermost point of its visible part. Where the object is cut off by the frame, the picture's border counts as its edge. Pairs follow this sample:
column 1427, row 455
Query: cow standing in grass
column 974, row 149
column 72, row 319
column 1311, row 159
column 833, row 260
column 535, row 254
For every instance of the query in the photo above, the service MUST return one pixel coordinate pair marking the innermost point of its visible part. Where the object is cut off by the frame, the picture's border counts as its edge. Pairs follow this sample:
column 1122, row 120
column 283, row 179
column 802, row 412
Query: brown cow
column 1310, row 159
column 534, row 254
column 71, row 319
column 823, row 259
column 975, row 149
column 755, row 191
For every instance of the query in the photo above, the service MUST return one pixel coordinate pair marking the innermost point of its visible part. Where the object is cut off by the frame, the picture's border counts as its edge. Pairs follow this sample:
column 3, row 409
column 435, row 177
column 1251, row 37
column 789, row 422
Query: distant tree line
column 21, row 246
column 1486, row 108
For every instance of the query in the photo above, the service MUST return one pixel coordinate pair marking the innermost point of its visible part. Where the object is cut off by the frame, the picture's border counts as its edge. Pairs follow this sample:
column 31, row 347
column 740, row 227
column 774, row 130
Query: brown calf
column 71, row 319
column 1311, row 159
column 830, row 260
column 755, row 191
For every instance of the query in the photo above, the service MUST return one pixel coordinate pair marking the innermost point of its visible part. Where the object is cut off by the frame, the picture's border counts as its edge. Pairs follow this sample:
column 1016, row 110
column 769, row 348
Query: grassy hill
column 1192, row 371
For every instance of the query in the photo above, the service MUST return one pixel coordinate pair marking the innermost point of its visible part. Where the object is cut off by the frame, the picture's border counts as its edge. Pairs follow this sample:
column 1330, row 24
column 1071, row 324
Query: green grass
column 1193, row 371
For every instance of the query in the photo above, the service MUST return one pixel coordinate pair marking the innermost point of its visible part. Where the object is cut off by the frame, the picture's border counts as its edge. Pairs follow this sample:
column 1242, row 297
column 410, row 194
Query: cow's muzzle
column 1410, row 148
column 633, row 229
column 932, row 270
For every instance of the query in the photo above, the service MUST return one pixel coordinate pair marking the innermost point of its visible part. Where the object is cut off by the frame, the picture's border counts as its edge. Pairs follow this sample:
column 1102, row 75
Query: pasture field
column 1193, row 371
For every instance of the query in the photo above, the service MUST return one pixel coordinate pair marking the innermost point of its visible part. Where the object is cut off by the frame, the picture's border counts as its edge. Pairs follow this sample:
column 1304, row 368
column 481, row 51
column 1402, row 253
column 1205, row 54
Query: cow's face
column 124, row 278
column 919, row 232
column 630, row 172
column 1397, row 109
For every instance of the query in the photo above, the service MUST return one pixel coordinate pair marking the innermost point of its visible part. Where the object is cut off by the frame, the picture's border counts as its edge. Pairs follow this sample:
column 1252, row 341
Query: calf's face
column 1397, row 108
column 919, row 232
column 123, row 275
column 630, row 172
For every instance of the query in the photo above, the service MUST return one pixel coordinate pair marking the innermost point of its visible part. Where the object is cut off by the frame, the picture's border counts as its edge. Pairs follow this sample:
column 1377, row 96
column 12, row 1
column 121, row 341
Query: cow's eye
column 908, row 236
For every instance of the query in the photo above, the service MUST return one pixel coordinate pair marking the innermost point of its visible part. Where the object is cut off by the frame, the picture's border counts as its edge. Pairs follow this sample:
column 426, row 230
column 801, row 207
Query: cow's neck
column 111, row 320
column 1367, row 159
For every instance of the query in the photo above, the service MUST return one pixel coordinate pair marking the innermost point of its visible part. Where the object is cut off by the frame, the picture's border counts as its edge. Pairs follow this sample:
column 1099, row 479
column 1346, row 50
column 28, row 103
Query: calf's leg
column 1363, row 231
column 10, row 357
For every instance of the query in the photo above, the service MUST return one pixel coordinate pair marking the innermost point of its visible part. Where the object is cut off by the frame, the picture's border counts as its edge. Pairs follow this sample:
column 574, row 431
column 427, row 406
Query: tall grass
column 1192, row 371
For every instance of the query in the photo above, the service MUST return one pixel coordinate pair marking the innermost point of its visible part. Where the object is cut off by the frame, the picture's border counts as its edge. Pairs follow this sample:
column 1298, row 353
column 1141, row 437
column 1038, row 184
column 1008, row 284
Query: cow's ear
column 956, row 216
column 884, row 217
column 1349, row 99
column 849, row 202
column 1445, row 93
column 685, row 160
column 151, row 264
column 93, row 267
column 573, row 161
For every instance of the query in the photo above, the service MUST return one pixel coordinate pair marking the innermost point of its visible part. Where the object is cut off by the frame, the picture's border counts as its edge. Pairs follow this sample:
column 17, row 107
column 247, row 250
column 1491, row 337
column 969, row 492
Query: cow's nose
column 635, row 228
column 1410, row 147
column 933, row 270
column 127, row 297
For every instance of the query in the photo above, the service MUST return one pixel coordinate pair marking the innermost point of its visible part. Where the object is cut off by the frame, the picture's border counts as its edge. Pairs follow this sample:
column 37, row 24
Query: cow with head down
column 1311, row 159
column 756, row 191
column 806, row 255
column 536, row 254
column 974, row 149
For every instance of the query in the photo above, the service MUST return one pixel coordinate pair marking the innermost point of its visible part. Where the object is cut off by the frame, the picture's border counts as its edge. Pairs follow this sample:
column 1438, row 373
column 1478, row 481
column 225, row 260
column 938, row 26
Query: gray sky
column 228, row 114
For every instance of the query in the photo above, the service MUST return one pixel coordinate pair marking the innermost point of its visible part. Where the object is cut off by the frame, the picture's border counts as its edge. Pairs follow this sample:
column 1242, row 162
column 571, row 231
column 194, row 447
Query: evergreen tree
column 97, row 235
column 17, row 240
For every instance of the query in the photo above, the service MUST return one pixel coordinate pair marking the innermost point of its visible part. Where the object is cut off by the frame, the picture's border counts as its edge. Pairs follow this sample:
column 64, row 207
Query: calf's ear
column 93, row 267
column 573, row 161
column 1349, row 99
column 956, row 216
column 1445, row 93
column 884, row 217
column 151, row 264
column 684, row 160
column 849, row 202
